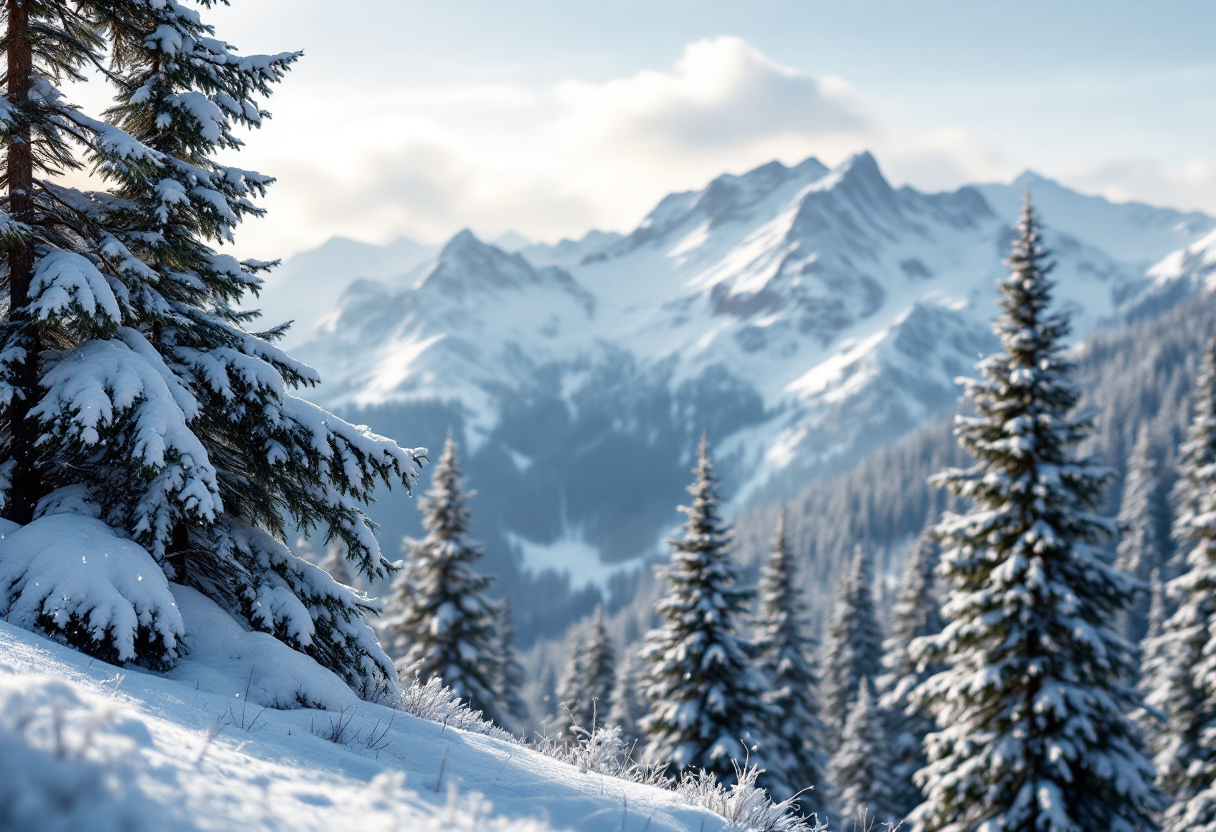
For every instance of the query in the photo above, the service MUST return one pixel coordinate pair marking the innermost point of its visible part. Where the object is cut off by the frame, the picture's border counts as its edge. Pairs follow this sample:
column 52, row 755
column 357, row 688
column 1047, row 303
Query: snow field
column 84, row 744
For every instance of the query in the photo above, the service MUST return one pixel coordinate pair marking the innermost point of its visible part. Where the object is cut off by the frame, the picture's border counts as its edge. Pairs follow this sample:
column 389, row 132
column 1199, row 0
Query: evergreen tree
column 1158, row 608
column 793, row 736
column 627, row 709
column 571, row 688
column 853, row 649
column 917, row 614
column 1138, row 552
column 586, row 690
column 510, row 682
column 444, row 625
column 337, row 563
column 131, row 389
column 1180, row 669
column 1032, row 706
column 704, row 698
column 548, row 696
column 861, row 766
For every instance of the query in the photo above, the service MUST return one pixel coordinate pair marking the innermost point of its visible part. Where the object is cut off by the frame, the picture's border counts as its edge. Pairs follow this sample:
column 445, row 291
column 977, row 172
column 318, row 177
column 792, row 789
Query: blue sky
column 551, row 117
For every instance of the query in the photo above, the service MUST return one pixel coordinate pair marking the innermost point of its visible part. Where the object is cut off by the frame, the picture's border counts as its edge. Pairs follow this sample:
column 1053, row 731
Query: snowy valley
column 804, row 316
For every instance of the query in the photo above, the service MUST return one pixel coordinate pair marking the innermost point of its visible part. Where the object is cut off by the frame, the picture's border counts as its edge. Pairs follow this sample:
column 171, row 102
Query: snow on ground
column 569, row 555
column 87, row 745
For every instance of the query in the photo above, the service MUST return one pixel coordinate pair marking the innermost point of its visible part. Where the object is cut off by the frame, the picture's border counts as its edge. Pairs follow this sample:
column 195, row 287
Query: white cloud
column 1188, row 186
column 721, row 94
column 555, row 161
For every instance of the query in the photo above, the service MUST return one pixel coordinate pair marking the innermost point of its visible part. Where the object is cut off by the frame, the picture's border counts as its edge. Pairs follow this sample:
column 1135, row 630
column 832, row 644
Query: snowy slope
column 86, row 745
column 802, row 315
column 308, row 285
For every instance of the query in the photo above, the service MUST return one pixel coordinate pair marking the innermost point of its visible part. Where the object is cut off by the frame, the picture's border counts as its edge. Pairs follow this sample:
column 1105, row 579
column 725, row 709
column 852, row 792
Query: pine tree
column 853, row 648
column 861, row 767
column 704, row 698
column 444, row 626
column 510, row 681
column 1180, row 669
column 917, row 614
column 586, row 689
column 337, row 563
column 1138, row 552
column 548, row 698
column 572, row 689
column 627, row 709
column 1032, row 706
column 793, row 736
column 1159, row 607
column 131, row 389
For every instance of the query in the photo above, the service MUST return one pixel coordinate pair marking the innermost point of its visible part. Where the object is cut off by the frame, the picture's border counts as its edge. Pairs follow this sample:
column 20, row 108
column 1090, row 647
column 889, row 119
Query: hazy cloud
column 555, row 161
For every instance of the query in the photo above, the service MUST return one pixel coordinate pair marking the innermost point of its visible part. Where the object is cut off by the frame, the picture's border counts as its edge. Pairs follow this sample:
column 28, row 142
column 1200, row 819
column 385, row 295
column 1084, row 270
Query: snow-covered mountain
column 802, row 316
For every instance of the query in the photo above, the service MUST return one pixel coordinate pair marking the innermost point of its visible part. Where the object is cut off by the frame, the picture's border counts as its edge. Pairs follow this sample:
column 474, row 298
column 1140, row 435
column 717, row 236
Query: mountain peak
column 860, row 167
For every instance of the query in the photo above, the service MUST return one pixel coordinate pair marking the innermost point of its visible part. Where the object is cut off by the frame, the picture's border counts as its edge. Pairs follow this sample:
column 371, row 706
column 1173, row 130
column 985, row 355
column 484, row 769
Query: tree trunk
column 25, row 480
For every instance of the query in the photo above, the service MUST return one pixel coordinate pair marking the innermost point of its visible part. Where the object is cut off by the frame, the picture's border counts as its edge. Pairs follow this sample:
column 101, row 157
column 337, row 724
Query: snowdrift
column 89, row 745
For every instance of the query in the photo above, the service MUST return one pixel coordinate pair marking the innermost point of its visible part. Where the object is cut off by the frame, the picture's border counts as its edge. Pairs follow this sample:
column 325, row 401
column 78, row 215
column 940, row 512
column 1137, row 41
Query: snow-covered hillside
column 88, row 746
column 803, row 316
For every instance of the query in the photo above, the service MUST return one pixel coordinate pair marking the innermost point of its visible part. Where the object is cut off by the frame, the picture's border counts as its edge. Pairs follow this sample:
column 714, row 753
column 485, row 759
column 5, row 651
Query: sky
column 552, row 117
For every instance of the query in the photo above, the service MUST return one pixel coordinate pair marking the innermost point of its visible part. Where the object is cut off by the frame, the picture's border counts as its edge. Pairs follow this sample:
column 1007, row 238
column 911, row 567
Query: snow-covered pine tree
column 572, row 689
column 336, row 563
column 131, row 389
column 1153, row 650
column 916, row 614
column 1032, row 708
column 548, row 698
column 860, row 768
column 627, row 709
column 586, row 689
column 1141, row 510
column 1180, row 666
column 793, row 736
column 443, row 624
column 1158, row 608
column 853, row 648
column 704, row 696
column 510, row 681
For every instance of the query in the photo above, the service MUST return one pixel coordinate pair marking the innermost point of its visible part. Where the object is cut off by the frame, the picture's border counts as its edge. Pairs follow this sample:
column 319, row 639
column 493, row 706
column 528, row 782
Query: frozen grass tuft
column 744, row 804
column 436, row 703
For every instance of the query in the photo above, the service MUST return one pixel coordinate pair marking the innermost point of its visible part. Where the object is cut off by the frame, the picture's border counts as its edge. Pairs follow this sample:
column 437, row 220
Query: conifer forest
column 635, row 418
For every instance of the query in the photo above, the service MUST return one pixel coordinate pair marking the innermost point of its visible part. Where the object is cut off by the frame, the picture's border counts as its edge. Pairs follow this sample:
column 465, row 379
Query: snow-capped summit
column 469, row 271
column 802, row 315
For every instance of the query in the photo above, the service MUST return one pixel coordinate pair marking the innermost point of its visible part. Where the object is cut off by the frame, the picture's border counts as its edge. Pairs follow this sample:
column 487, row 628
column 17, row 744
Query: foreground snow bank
column 86, row 745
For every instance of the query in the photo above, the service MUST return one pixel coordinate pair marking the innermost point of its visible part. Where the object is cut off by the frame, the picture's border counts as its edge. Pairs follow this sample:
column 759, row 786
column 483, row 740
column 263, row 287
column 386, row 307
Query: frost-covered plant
column 443, row 624
column 432, row 701
column 130, row 380
column 743, row 803
column 602, row 749
column 705, row 698
column 1032, row 708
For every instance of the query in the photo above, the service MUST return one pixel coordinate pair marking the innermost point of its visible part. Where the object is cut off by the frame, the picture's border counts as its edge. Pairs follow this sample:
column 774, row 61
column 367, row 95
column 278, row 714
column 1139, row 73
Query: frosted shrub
column 743, row 803
column 602, row 750
column 434, row 702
